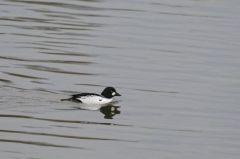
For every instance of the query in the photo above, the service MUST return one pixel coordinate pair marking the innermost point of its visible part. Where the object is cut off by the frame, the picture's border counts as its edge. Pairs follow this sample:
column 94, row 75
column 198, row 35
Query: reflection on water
column 175, row 62
column 110, row 111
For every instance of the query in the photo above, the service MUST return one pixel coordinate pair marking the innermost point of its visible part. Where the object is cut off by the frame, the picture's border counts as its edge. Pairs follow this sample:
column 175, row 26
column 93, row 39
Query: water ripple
column 60, row 120
column 45, row 144
column 55, row 70
column 62, row 136
column 24, row 76
column 58, row 4
column 5, row 80
column 44, row 61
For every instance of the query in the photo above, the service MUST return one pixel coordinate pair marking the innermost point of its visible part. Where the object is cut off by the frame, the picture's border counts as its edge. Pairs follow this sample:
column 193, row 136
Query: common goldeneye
column 93, row 98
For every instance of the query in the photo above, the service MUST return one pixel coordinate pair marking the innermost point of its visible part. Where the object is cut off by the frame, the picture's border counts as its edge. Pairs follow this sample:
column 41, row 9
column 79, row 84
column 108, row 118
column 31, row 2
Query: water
column 176, row 63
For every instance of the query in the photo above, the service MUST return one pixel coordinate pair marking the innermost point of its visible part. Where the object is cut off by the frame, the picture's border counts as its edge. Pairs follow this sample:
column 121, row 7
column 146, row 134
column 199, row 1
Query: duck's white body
column 94, row 99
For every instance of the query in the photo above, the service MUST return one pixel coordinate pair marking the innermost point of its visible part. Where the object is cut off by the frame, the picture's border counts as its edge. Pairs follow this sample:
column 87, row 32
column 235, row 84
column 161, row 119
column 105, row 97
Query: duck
column 104, row 98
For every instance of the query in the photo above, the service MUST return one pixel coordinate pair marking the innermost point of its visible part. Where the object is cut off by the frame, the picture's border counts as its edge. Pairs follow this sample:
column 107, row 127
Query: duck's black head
column 110, row 92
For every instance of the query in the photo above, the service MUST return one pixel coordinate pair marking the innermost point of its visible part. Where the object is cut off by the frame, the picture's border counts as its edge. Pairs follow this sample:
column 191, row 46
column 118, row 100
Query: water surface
column 176, row 63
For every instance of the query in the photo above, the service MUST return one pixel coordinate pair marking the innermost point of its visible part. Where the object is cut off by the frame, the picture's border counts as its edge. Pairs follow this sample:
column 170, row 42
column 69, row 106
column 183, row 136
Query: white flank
column 94, row 100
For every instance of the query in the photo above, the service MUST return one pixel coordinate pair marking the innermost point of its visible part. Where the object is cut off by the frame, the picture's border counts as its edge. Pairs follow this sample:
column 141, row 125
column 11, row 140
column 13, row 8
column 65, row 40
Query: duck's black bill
column 117, row 94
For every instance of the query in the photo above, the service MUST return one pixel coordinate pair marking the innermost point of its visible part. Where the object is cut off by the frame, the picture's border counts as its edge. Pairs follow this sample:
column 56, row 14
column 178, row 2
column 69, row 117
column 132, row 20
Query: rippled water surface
column 176, row 64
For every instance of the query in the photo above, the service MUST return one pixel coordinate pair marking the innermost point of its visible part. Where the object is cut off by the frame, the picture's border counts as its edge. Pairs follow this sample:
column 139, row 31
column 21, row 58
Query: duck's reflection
column 108, row 111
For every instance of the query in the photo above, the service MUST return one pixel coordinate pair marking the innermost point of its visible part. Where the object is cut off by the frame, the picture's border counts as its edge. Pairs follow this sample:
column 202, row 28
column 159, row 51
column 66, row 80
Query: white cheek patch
column 113, row 93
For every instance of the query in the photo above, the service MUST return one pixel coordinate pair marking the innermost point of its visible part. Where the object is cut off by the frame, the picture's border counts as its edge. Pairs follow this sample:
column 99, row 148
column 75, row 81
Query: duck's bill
column 117, row 94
